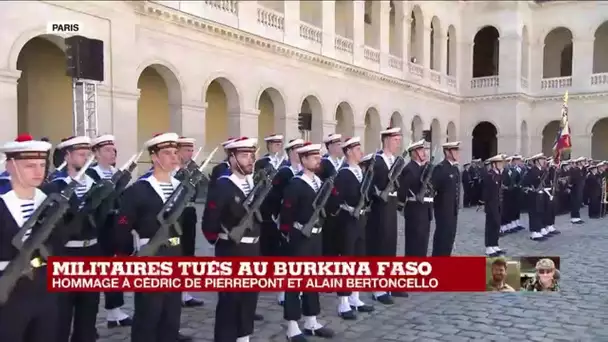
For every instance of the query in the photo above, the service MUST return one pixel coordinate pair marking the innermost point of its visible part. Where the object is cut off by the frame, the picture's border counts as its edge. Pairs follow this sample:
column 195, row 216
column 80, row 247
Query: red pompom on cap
column 157, row 134
column 308, row 143
column 24, row 137
column 242, row 139
column 68, row 138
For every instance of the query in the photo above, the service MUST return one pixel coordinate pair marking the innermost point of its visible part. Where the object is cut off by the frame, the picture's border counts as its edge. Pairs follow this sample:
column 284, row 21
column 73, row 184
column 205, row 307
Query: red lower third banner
column 138, row 274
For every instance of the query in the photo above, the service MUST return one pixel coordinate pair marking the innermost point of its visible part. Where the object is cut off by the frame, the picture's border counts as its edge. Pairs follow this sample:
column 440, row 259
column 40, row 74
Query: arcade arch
column 416, row 128
column 345, row 121
column 557, row 53
column 485, row 141
column 272, row 111
column 222, row 101
column 485, row 52
column 548, row 137
column 312, row 105
column 599, row 140
column 372, row 130
column 44, row 92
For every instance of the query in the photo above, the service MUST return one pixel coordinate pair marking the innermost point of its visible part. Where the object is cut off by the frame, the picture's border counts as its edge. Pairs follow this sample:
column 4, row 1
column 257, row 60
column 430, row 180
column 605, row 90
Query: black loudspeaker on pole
column 84, row 58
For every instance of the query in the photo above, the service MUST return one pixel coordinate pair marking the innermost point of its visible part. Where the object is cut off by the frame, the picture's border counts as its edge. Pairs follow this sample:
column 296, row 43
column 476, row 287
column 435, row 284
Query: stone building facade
column 490, row 74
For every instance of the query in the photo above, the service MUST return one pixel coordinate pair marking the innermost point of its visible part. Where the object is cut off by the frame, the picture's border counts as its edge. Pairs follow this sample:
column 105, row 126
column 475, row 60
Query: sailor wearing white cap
column 381, row 226
column 296, row 210
column 156, row 314
column 446, row 204
column 271, row 240
column 593, row 184
column 417, row 196
column 274, row 146
column 350, row 208
column 492, row 199
column 533, row 184
column 81, row 242
column 517, row 195
column 29, row 304
column 577, row 185
column 188, row 220
column 235, row 312
column 330, row 164
column 105, row 154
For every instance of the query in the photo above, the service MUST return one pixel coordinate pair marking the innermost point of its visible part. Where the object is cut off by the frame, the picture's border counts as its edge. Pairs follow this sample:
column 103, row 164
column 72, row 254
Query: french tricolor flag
column 562, row 140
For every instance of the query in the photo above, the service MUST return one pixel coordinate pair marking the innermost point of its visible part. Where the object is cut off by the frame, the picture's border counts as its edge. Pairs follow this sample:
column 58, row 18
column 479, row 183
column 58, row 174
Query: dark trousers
column 595, row 206
column 308, row 305
column 445, row 233
column 271, row 241
column 381, row 228
column 30, row 314
column 235, row 311
column 535, row 211
column 157, row 317
column 330, row 236
column 575, row 203
column 188, row 224
column 466, row 198
column 492, row 227
column 352, row 237
column 417, row 228
column 549, row 212
column 77, row 311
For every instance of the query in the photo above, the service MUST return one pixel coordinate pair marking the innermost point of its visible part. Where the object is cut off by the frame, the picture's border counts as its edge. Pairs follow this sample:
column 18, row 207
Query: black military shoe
column 258, row 317
column 348, row 315
column 281, row 302
column 363, row 308
column 127, row 322
column 501, row 251
column 385, row 299
column 297, row 338
column 321, row 332
column 400, row 294
column 192, row 303
column 184, row 338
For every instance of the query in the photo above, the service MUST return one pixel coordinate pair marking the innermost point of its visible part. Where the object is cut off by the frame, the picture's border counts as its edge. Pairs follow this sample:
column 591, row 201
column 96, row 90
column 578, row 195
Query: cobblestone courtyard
column 578, row 313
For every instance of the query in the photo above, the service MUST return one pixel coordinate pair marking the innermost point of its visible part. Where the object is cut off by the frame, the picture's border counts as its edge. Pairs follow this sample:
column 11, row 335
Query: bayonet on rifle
column 39, row 227
column 318, row 205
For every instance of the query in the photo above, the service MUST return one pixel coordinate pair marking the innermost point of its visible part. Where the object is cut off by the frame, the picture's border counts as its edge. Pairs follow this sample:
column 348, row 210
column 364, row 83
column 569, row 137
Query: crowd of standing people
column 344, row 203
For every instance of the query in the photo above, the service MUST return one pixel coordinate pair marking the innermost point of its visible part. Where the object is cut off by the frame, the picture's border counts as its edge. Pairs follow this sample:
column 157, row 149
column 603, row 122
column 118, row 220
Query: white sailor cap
column 351, row 142
column 517, row 157
column 602, row 163
column 274, row 138
column 25, row 147
column 102, row 140
column 160, row 141
column 508, row 159
column 186, row 142
column 579, row 159
column 243, row 144
column 478, row 160
column 332, row 138
column 496, row 158
column 536, row 157
column 309, row 148
column 294, row 143
column 391, row 131
column 416, row 145
column 228, row 141
column 454, row 145
column 367, row 157
column 592, row 167
column 75, row 143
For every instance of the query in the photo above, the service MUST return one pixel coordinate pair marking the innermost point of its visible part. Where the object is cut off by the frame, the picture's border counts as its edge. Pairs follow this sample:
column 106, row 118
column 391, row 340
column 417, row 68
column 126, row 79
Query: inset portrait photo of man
column 540, row 274
column 503, row 275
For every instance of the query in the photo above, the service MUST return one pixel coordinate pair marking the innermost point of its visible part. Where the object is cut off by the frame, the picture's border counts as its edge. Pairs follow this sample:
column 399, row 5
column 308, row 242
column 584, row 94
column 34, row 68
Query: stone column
column 358, row 31
column 425, row 48
column 123, row 123
column 582, row 62
column 443, row 54
column 8, row 103
column 536, row 67
column 248, row 20
column 193, row 122
column 509, row 63
column 329, row 28
column 464, row 65
column 292, row 22
column 243, row 123
column 384, row 28
column 405, row 41
column 104, row 109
